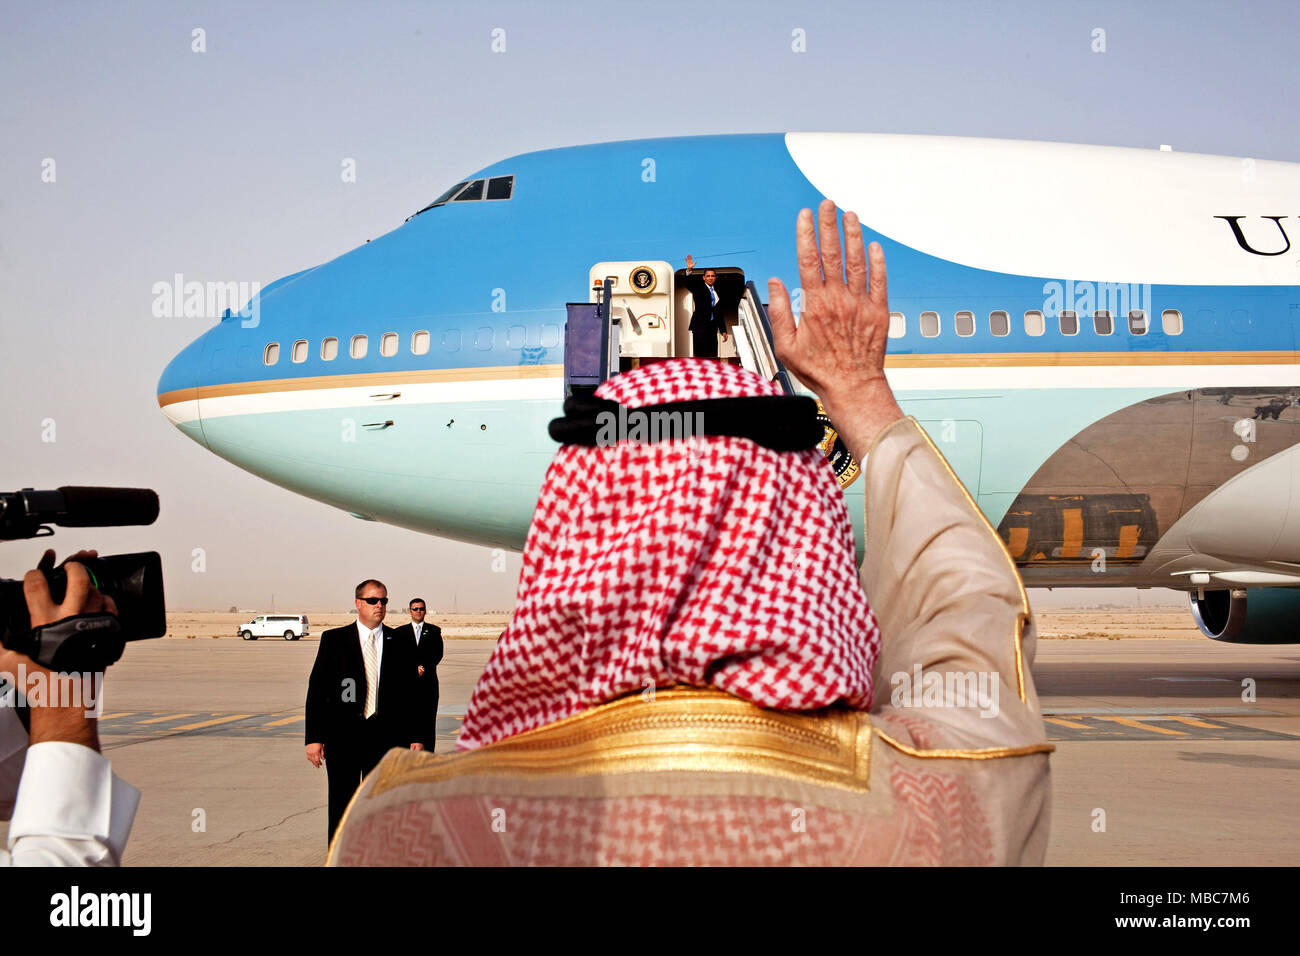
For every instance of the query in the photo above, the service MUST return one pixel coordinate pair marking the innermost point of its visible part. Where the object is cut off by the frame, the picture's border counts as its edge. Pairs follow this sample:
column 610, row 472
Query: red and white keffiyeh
column 711, row 561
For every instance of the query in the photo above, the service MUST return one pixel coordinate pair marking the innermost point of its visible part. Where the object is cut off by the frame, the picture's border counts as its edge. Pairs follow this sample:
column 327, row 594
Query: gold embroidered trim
column 681, row 729
column 980, row 753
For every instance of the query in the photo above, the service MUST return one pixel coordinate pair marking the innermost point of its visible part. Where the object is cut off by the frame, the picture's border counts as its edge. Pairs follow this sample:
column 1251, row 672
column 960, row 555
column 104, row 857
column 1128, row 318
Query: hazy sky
column 225, row 165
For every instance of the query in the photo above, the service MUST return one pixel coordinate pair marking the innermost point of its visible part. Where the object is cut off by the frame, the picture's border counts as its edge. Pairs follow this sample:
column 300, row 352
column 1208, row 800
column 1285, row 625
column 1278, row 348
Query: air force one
column 1101, row 340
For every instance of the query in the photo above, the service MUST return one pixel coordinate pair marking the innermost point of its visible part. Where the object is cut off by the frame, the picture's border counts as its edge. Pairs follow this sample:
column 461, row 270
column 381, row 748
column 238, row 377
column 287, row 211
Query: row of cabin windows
column 1103, row 323
column 516, row 337
column 357, row 348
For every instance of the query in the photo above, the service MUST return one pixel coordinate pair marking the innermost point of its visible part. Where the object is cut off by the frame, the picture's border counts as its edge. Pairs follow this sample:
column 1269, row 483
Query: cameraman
column 70, row 809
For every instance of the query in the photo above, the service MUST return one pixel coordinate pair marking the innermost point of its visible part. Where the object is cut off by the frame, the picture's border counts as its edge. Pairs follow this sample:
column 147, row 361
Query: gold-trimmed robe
column 936, row 773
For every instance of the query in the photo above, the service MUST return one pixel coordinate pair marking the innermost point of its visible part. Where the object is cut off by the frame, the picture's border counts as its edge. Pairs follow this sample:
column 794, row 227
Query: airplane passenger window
column 929, row 324
column 965, row 323
column 1172, row 321
column 1034, row 323
column 1069, row 322
column 419, row 343
column 451, row 340
column 473, row 191
column 999, row 322
column 897, row 325
column 299, row 352
column 1101, row 322
column 271, row 355
column 500, row 187
column 358, row 347
column 388, row 344
column 329, row 349
column 1137, row 322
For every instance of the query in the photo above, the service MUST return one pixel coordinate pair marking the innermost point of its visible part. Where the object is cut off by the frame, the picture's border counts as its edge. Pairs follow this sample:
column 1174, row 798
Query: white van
column 289, row 626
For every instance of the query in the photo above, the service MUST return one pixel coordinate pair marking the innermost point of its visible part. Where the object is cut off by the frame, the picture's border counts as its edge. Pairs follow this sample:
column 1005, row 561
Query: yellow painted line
column 125, row 713
column 213, row 723
column 1129, row 722
column 1193, row 722
column 1018, row 540
column 924, row 360
column 287, row 720
column 159, row 720
column 356, row 380
column 1067, row 723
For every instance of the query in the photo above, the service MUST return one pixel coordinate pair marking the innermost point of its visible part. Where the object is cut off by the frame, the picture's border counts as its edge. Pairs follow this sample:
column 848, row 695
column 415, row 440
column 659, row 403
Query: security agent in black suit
column 706, row 320
column 427, row 641
column 339, row 732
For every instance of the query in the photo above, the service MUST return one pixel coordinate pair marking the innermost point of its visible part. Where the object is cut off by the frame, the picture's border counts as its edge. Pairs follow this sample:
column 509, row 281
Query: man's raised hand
column 838, row 347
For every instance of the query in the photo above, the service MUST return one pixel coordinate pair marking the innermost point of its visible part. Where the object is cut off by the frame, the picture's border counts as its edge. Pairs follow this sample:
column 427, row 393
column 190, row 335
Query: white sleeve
column 71, row 810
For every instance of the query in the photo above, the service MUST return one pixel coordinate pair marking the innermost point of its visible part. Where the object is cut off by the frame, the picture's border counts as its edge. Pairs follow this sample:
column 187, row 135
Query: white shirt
column 417, row 628
column 70, row 808
column 363, row 633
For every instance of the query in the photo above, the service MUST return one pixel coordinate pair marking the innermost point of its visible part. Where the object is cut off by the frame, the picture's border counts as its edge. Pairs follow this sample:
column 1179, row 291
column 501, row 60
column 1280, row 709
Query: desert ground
column 1080, row 624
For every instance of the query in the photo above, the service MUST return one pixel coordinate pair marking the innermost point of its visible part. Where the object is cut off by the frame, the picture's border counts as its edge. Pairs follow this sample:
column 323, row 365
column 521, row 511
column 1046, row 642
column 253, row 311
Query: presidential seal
column 844, row 465
column 644, row 280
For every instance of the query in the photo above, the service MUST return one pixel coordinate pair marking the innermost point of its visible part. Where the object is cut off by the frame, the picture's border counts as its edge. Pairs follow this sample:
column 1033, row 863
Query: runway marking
column 1066, row 723
column 287, row 720
column 1193, row 722
column 1130, row 722
column 213, row 723
column 159, row 720
column 125, row 713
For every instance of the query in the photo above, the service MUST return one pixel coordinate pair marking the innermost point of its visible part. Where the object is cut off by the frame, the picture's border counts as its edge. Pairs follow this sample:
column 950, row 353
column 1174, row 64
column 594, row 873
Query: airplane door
column 754, row 340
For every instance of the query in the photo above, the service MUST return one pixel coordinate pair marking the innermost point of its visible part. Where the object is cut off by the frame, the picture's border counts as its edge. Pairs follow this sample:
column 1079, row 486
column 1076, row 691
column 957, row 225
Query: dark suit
column 707, row 319
column 427, row 655
column 336, row 700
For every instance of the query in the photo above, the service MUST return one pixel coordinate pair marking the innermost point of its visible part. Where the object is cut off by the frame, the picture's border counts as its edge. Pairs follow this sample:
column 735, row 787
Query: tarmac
column 1187, row 751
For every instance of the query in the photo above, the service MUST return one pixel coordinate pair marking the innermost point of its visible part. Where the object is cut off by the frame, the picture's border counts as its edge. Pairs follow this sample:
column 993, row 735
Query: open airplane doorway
column 640, row 312
column 730, row 286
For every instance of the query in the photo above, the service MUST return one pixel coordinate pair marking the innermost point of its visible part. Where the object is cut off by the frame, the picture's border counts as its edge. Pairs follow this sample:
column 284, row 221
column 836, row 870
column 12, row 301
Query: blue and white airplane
column 1101, row 340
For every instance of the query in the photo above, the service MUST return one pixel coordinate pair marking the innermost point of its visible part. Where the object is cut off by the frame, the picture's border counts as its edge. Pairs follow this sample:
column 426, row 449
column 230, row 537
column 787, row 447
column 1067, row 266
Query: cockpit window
column 442, row 199
column 497, row 188
column 471, row 192
column 447, row 195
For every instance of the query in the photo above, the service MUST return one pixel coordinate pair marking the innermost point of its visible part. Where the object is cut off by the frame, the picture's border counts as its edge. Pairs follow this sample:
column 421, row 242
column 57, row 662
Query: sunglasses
column 374, row 600
column 414, row 609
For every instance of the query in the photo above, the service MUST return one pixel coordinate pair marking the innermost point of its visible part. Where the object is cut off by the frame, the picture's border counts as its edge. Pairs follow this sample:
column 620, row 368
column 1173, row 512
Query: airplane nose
column 178, row 390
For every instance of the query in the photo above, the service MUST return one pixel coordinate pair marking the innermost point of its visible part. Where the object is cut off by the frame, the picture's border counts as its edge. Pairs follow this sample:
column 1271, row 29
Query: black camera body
column 133, row 581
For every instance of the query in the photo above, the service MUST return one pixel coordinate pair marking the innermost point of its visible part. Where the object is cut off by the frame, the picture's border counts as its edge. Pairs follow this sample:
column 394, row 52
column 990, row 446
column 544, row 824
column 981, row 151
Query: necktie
column 372, row 675
column 713, row 296
column 417, row 635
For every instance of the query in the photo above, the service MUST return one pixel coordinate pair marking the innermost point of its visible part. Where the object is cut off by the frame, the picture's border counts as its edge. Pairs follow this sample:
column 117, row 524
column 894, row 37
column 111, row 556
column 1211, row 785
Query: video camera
column 133, row 581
